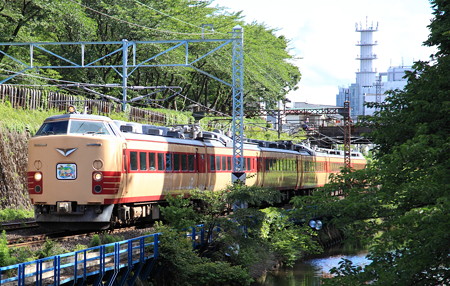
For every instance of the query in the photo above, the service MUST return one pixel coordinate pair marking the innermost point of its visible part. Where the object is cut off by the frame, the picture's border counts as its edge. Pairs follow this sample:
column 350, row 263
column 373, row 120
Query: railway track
column 19, row 225
column 40, row 239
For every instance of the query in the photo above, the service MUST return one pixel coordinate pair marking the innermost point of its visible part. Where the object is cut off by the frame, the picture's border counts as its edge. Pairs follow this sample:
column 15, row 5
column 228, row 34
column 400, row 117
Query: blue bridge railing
column 119, row 263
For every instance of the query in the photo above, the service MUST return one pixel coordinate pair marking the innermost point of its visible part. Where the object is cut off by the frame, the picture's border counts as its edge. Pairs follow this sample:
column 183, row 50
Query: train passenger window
column 176, row 162
column 229, row 165
column 249, row 164
column 169, row 162
column 224, row 163
column 244, row 162
column 88, row 127
column 160, row 161
column 191, row 162
column 133, row 161
column 53, row 128
column 218, row 163
column 184, row 162
column 151, row 161
column 143, row 161
column 212, row 162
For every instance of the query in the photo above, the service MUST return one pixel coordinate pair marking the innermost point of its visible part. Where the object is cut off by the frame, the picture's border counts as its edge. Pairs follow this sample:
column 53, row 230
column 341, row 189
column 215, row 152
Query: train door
column 200, row 157
column 260, row 170
column 300, row 171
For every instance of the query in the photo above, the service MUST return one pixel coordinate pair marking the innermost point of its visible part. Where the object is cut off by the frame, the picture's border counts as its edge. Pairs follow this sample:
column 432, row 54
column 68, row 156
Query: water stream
column 310, row 271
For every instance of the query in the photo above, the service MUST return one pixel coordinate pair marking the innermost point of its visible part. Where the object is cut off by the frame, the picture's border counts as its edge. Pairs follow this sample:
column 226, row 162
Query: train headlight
column 97, row 176
column 97, row 164
column 38, row 176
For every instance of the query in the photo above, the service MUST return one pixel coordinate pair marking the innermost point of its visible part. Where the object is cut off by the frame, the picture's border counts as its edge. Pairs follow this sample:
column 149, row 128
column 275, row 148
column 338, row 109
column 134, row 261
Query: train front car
column 74, row 164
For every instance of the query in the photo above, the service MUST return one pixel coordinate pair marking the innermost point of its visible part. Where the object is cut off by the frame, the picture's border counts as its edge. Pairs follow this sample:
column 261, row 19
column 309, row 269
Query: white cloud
column 323, row 34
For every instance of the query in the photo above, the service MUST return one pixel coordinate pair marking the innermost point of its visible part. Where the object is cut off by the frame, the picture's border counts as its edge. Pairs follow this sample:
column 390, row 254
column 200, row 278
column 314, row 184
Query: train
column 91, row 172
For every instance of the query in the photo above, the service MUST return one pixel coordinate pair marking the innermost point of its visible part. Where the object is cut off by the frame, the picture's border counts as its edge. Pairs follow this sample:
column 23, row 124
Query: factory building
column 370, row 86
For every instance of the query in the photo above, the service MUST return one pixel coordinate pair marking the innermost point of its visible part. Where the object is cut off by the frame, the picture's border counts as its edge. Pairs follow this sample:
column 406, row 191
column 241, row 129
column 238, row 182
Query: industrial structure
column 370, row 86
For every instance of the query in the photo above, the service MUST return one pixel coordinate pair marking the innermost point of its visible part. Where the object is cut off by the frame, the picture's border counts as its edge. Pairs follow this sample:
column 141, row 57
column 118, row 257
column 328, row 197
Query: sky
column 322, row 35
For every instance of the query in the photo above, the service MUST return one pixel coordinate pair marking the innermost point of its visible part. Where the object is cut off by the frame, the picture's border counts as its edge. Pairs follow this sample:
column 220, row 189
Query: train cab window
column 143, row 161
column 133, row 161
column 160, row 161
column 212, row 161
column 176, row 162
column 151, row 161
column 53, row 128
column 88, row 127
column 191, row 162
column 229, row 163
column 169, row 162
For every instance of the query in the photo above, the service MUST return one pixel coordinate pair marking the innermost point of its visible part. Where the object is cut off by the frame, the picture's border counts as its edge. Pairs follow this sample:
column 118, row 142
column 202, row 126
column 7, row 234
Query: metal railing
column 119, row 263
column 100, row 263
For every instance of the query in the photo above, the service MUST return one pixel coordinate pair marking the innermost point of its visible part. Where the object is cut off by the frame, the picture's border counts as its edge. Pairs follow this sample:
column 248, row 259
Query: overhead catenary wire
column 69, row 85
column 131, row 23
column 172, row 17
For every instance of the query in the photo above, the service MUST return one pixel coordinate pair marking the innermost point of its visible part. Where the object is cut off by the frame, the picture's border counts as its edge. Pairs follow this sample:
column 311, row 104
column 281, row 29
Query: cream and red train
column 86, row 171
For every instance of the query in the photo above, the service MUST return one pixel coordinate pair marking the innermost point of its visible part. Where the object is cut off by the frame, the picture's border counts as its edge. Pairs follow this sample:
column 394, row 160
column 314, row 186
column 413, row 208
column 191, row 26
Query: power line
column 172, row 17
column 131, row 23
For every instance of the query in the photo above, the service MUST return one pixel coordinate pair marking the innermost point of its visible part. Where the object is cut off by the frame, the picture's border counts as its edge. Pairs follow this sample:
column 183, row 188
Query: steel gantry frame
column 343, row 111
column 238, row 105
column 129, row 51
column 347, row 130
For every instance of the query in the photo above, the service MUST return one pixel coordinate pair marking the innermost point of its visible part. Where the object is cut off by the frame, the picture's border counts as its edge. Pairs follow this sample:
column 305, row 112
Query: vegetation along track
column 39, row 239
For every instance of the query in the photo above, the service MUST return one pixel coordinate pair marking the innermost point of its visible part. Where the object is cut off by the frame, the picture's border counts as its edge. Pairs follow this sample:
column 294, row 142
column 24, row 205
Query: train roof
column 184, row 134
column 77, row 116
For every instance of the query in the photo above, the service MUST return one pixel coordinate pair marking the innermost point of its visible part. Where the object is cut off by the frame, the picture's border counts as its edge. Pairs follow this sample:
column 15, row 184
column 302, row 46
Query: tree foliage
column 250, row 239
column 268, row 73
column 402, row 201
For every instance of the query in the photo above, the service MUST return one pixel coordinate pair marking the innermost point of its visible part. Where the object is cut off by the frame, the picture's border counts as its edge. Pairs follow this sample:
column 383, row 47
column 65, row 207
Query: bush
column 50, row 248
column 180, row 265
column 15, row 214
column 5, row 253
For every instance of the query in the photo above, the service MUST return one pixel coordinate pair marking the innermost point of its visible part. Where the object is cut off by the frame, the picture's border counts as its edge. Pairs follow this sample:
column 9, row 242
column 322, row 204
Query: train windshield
column 75, row 127
column 88, row 127
column 53, row 128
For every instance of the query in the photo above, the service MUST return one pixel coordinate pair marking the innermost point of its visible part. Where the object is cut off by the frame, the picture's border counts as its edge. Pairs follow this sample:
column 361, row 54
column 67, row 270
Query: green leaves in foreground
column 404, row 205
column 249, row 241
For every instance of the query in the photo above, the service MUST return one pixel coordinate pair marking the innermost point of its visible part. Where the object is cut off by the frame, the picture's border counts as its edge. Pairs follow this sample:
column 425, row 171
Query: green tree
column 268, row 73
column 405, row 198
